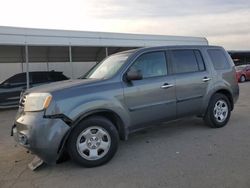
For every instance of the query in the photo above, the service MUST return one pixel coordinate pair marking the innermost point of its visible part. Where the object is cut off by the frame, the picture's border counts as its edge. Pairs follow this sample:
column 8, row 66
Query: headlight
column 37, row 102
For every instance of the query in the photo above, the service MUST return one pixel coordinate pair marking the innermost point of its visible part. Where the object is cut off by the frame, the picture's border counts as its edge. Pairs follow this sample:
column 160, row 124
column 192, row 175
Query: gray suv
column 124, row 93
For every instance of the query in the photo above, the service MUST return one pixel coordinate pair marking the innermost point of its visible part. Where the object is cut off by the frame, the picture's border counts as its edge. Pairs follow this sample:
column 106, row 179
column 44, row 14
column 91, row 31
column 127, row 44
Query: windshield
column 108, row 67
column 239, row 68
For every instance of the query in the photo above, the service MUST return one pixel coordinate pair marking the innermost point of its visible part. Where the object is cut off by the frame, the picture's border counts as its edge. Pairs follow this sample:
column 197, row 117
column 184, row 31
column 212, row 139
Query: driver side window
column 151, row 64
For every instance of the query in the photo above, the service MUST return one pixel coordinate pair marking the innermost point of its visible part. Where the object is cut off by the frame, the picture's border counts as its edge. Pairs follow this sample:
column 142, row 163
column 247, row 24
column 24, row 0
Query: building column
column 22, row 59
column 106, row 51
column 47, row 58
column 47, row 65
column 70, row 60
column 27, row 66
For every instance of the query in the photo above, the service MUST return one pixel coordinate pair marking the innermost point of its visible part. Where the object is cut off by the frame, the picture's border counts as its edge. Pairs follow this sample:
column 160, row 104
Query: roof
column 170, row 47
column 48, row 37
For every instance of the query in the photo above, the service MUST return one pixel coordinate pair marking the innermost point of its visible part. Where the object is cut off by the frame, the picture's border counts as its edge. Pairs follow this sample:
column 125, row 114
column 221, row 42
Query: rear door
column 192, row 80
column 153, row 97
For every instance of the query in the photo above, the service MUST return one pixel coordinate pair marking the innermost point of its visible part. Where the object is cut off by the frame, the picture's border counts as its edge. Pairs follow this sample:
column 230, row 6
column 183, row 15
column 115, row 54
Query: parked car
column 243, row 73
column 124, row 93
column 11, row 88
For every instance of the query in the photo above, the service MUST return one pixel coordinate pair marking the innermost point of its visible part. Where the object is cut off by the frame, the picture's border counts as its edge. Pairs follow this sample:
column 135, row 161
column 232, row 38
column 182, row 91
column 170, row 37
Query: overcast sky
column 223, row 22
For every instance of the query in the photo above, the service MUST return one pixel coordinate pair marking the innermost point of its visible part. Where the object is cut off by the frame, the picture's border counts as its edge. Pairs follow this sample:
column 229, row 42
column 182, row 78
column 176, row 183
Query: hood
column 239, row 71
column 56, row 86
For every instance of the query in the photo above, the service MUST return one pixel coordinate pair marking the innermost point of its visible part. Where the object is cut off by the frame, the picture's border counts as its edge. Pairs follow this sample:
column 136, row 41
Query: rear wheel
column 218, row 112
column 242, row 78
column 93, row 142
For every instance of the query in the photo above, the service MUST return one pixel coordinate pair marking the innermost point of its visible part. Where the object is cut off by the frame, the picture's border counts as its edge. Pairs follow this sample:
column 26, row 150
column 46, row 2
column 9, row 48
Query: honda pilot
column 124, row 93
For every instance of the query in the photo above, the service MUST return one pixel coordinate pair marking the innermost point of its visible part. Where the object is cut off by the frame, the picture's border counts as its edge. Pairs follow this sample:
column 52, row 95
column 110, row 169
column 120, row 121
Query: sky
column 222, row 22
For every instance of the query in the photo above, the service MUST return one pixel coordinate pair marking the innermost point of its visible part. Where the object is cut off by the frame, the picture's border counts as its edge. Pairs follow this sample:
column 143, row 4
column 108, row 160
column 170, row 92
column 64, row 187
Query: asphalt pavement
column 182, row 154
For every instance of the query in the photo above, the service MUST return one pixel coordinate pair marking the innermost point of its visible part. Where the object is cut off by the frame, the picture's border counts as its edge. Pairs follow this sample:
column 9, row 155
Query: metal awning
column 15, row 54
column 44, row 45
column 46, row 37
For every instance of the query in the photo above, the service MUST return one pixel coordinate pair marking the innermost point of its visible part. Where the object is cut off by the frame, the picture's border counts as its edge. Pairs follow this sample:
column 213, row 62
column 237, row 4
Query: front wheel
column 218, row 112
column 93, row 142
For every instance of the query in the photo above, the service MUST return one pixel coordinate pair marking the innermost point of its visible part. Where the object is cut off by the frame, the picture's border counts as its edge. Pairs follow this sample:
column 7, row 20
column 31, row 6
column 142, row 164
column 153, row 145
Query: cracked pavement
column 184, row 153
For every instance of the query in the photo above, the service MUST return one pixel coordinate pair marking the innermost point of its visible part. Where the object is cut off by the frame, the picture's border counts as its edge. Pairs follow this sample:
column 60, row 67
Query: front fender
column 92, row 107
column 100, row 105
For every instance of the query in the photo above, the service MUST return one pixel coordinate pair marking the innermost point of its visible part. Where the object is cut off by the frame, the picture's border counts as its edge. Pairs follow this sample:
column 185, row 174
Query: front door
column 11, row 89
column 153, row 97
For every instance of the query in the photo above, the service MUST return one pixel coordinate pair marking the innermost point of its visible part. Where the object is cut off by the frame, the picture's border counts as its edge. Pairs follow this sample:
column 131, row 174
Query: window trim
column 203, row 62
column 148, row 52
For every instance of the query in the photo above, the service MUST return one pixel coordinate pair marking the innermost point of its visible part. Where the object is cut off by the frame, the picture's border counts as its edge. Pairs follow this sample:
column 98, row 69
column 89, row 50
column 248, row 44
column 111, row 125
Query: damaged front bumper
column 41, row 135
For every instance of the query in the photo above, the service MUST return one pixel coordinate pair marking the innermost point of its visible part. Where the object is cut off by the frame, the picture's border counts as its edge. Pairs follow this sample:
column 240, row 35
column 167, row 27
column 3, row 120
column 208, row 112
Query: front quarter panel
column 77, row 102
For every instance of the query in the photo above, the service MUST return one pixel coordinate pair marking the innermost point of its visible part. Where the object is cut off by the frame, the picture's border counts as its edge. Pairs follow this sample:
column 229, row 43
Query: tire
column 93, row 142
column 242, row 78
column 218, row 111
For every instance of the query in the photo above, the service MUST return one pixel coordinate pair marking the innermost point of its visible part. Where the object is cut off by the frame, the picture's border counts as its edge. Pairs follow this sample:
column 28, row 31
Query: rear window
column 218, row 58
column 239, row 68
column 57, row 76
column 39, row 77
column 185, row 61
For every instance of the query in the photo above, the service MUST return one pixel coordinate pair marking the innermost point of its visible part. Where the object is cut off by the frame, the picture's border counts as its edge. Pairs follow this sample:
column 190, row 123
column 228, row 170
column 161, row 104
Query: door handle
column 206, row 79
column 165, row 86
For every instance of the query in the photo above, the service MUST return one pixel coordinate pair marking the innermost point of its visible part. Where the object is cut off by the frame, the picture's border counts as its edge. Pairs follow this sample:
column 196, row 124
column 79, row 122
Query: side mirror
column 134, row 75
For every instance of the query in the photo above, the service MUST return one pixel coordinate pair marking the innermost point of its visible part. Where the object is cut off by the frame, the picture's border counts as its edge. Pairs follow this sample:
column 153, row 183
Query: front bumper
column 42, row 136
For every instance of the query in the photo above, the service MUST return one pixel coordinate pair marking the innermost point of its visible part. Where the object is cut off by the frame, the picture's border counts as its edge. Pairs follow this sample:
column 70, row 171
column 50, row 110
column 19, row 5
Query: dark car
column 243, row 73
column 11, row 88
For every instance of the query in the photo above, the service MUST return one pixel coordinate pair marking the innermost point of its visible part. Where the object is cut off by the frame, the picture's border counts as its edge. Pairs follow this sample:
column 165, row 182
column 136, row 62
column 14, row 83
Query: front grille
column 22, row 101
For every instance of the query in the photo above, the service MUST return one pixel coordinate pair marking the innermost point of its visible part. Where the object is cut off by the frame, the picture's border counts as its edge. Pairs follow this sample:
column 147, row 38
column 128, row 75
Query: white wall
column 79, row 68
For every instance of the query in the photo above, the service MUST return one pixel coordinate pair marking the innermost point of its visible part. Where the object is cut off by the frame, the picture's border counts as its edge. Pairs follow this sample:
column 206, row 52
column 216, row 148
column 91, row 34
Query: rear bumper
column 42, row 136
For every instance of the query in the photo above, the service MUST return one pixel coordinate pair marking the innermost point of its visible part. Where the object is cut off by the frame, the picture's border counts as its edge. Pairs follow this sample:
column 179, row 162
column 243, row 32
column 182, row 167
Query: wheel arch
column 228, row 94
column 110, row 115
